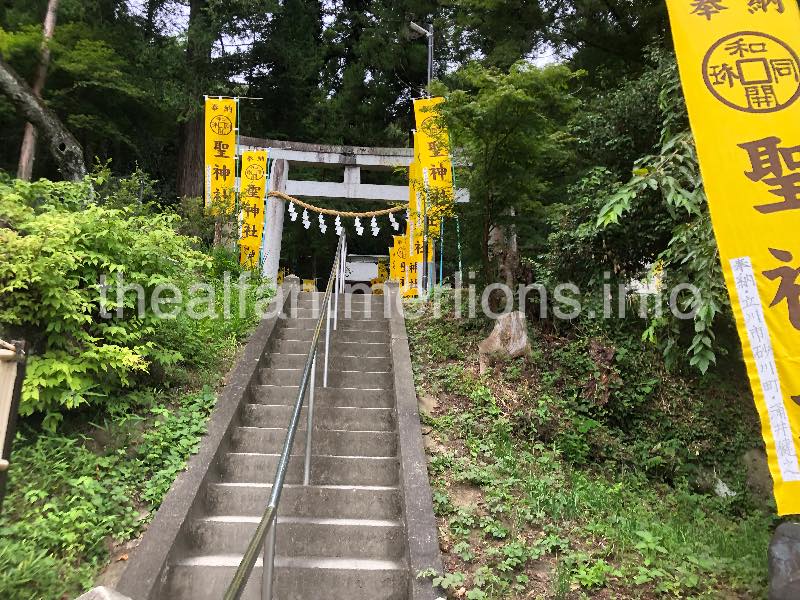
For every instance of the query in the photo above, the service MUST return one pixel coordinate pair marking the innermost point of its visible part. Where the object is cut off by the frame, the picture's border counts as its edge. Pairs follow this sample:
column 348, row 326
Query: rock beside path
column 784, row 563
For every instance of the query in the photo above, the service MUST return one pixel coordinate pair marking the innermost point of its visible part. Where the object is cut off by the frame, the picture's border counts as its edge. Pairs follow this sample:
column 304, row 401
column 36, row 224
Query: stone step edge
column 330, row 371
column 289, row 520
column 338, row 389
column 313, row 456
column 250, row 428
column 286, row 486
column 323, row 563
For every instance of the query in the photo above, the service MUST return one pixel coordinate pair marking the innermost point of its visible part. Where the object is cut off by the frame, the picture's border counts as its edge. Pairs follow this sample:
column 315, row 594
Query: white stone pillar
column 275, row 208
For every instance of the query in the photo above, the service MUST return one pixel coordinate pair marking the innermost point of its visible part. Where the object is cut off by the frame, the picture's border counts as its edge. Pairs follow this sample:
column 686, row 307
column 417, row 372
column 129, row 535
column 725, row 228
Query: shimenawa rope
column 338, row 213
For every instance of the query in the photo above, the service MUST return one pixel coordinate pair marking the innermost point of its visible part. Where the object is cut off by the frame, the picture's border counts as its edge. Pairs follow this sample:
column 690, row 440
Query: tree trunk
column 27, row 153
column 504, row 254
column 505, row 249
column 66, row 150
column 198, row 56
column 190, row 158
column 150, row 19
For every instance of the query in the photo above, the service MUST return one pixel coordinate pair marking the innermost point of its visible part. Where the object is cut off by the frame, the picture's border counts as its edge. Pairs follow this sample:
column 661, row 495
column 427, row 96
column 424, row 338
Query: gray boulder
column 784, row 563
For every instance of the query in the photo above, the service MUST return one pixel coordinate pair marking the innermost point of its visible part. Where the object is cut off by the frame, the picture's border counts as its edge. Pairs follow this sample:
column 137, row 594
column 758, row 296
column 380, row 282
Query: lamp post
column 419, row 29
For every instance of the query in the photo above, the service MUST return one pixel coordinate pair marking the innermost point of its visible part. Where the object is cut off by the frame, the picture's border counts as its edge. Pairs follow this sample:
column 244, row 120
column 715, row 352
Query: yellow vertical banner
column 415, row 187
column 220, row 154
column 406, row 257
column 253, row 195
column 398, row 255
column 394, row 265
column 410, row 271
column 432, row 153
column 401, row 269
column 741, row 77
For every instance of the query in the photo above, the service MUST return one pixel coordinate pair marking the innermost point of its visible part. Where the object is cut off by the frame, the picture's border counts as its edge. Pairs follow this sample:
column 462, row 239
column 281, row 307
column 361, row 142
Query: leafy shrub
column 64, row 502
column 164, row 448
column 30, row 572
column 54, row 249
column 67, row 504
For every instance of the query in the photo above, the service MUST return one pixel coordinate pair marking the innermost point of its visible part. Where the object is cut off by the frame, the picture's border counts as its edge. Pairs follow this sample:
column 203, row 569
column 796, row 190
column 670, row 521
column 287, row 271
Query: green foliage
column 70, row 498
column 502, row 31
column 655, row 228
column 581, row 459
column 146, row 381
column 32, row 573
column 590, row 573
column 63, row 502
column 609, row 133
column 175, row 434
column 511, row 127
column 54, row 250
column 690, row 255
column 606, row 37
column 112, row 90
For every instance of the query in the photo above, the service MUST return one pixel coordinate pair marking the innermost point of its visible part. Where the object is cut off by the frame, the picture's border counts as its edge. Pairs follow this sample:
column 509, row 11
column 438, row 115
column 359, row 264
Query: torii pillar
column 274, row 208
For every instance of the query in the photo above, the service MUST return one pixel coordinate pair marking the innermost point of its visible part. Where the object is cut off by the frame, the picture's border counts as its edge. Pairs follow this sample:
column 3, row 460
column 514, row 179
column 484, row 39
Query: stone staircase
column 343, row 537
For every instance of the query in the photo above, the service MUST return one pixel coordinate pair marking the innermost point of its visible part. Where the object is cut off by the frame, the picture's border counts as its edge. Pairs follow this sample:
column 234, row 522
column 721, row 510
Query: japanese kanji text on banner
column 253, row 195
column 741, row 77
column 435, row 167
column 220, row 154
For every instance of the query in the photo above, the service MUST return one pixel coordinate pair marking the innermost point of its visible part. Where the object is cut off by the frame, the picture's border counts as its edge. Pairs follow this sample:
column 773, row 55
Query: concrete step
column 306, row 335
column 332, row 443
column 355, row 299
column 344, row 502
column 356, row 311
column 365, row 380
column 344, row 325
column 302, row 537
column 207, row 578
column 325, row 417
column 337, row 363
column 330, row 397
column 380, row 349
column 325, row 470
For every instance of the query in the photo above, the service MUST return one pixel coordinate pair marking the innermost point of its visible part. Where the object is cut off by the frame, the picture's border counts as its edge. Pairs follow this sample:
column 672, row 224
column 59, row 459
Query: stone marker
column 784, row 563
column 508, row 340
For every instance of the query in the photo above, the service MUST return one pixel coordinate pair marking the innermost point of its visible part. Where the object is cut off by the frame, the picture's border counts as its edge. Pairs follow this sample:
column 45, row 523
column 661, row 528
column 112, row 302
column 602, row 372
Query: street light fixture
column 419, row 29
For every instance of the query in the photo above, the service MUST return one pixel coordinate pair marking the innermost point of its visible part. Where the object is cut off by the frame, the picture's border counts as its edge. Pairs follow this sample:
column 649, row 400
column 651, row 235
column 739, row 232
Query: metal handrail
column 265, row 535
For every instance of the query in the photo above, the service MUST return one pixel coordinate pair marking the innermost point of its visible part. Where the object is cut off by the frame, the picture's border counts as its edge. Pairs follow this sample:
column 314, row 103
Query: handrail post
column 327, row 346
column 338, row 283
column 268, row 575
column 310, row 421
column 343, row 265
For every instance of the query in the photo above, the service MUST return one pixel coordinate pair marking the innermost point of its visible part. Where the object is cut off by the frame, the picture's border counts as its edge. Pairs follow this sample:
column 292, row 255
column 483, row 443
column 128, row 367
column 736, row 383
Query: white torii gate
column 352, row 159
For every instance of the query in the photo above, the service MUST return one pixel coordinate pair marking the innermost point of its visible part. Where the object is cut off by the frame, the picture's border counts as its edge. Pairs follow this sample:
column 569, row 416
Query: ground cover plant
column 581, row 471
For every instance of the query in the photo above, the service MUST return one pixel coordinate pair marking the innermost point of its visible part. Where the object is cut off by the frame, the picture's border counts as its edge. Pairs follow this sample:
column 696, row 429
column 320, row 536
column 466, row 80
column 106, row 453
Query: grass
column 574, row 472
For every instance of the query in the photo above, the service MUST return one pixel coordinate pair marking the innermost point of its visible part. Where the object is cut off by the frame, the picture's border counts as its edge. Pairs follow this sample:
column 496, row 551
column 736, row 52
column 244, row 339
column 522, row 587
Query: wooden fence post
column 12, row 373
